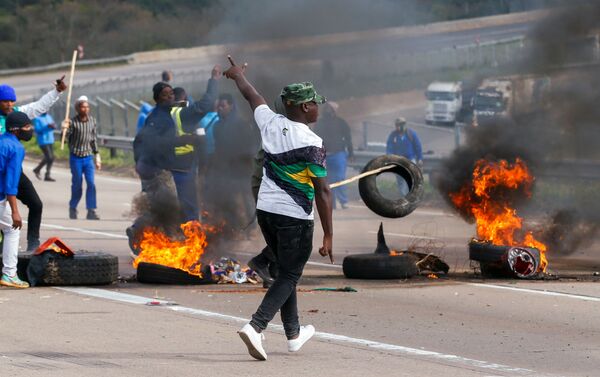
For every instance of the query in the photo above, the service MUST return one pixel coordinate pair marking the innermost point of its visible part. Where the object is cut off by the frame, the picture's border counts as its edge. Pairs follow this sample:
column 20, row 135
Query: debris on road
column 343, row 289
column 228, row 270
column 391, row 264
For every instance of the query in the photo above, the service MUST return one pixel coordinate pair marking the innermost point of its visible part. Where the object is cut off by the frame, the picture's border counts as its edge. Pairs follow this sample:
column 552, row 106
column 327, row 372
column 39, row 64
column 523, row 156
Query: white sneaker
column 253, row 341
column 306, row 332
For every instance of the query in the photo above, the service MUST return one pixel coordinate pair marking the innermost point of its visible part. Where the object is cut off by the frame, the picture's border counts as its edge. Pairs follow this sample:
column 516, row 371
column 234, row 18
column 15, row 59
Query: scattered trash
column 313, row 311
column 230, row 271
column 161, row 303
column 343, row 289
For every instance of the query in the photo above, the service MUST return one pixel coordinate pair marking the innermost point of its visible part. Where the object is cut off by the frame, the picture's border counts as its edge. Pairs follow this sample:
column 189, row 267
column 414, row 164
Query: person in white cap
column 83, row 158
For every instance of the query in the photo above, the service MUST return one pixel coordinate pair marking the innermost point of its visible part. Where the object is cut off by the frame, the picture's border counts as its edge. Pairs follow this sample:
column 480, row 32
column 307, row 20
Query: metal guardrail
column 55, row 66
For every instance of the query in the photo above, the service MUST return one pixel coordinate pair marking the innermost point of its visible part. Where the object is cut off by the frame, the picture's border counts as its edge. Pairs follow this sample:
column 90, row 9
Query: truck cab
column 444, row 102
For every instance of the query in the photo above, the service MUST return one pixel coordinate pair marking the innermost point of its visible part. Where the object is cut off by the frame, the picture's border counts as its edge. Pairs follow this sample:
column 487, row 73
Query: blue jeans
column 82, row 166
column 185, row 184
column 336, row 171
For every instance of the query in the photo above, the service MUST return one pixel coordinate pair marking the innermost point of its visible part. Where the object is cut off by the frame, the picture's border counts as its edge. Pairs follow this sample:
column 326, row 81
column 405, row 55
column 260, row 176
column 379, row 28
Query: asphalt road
column 458, row 325
column 30, row 85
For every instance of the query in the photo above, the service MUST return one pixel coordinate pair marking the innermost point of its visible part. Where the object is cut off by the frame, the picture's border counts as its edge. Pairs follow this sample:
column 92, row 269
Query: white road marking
column 309, row 262
column 538, row 292
column 81, row 230
column 98, row 177
column 431, row 355
column 405, row 235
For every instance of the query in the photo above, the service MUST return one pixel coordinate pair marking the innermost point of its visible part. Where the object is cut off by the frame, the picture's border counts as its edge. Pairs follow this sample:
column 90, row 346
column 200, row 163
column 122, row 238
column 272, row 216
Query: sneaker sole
column 251, row 349
column 7, row 284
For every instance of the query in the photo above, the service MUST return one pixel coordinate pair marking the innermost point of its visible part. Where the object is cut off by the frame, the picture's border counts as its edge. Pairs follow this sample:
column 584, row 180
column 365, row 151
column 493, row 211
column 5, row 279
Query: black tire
column 486, row 252
column 493, row 259
column 84, row 268
column 379, row 266
column 150, row 273
column 382, row 206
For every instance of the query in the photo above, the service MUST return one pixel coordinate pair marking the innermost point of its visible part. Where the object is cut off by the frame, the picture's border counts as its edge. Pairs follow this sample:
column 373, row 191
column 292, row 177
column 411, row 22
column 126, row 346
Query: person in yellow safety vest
column 168, row 140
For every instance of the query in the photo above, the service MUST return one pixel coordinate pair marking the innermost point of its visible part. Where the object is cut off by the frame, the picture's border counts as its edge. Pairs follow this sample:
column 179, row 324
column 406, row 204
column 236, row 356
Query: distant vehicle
column 505, row 96
column 444, row 102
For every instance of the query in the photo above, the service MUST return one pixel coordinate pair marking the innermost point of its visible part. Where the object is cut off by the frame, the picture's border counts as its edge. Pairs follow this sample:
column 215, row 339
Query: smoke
column 565, row 125
column 158, row 207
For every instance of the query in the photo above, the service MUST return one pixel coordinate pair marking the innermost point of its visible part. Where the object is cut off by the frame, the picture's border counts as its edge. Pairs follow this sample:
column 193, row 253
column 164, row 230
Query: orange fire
column 184, row 255
column 482, row 198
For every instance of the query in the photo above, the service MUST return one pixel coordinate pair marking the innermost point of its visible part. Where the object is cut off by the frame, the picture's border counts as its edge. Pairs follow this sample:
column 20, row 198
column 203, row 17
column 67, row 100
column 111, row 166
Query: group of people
column 291, row 170
column 16, row 125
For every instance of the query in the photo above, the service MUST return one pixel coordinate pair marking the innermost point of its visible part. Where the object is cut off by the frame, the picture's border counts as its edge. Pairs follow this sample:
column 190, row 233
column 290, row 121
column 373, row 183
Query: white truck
column 444, row 102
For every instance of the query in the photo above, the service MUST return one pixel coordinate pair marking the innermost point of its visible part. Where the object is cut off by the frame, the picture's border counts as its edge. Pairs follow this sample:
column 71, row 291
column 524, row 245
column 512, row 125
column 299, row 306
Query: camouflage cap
column 296, row 94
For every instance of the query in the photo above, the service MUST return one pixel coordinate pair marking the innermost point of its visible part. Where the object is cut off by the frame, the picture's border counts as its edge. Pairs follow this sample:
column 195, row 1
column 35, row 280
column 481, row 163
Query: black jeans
column 290, row 239
column 28, row 196
column 48, row 150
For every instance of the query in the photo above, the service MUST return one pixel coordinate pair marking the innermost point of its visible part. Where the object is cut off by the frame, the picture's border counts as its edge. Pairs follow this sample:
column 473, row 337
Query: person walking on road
column 294, row 174
column 18, row 127
column 404, row 142
column 84, row 158
column 338, row 143
column 27, row 193
column 44, row 127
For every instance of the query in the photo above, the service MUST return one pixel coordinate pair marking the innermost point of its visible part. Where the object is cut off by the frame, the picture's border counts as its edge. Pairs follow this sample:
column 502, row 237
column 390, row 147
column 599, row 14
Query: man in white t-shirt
column 294, row 174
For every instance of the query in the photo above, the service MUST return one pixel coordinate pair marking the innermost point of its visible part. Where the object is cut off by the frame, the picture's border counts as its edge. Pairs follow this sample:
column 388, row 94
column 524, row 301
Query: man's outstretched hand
column 235, row 70
column 60, row 84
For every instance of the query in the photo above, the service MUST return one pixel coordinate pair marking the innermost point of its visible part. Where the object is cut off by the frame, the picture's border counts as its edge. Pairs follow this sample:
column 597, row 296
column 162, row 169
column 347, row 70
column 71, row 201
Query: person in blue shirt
column 404, row 142
column 18, row 127
column 44, row 127
column 145, row 110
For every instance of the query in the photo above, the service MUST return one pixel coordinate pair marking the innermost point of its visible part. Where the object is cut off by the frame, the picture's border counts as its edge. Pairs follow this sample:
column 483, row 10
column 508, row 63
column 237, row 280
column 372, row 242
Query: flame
column 433, row 276
column 483, row 199
column 184, row 255
column 394, row 253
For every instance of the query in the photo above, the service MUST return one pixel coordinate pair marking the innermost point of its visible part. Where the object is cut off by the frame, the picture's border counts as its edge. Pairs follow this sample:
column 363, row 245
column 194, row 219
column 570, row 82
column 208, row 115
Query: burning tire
column 505, row 261
column 151, row 273
column 379, row 266
column 379, row 204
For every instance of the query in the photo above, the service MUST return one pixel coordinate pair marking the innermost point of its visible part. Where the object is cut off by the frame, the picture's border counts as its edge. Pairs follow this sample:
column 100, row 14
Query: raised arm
column 37, row 108
column 236, row 74
column 191, row 115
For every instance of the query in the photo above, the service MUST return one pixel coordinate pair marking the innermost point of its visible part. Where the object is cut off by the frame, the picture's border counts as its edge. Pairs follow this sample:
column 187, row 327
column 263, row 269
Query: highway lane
column 30, row 85
column 462, row 326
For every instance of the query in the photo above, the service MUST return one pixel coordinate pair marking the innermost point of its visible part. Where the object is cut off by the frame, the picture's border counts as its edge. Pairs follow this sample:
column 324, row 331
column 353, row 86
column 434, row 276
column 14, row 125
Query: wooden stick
column 362, row 175
column 65, row 124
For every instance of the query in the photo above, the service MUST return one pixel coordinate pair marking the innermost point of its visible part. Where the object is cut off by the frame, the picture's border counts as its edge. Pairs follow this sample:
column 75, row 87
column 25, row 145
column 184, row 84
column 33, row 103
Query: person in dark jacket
column 337, row 140
column 168, row 141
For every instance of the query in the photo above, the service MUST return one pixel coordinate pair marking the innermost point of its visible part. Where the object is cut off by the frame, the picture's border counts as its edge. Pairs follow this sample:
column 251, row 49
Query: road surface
column 459, row 325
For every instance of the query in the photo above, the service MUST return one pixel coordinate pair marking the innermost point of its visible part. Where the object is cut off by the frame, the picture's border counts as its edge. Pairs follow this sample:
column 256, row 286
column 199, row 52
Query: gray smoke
column 564, row 126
